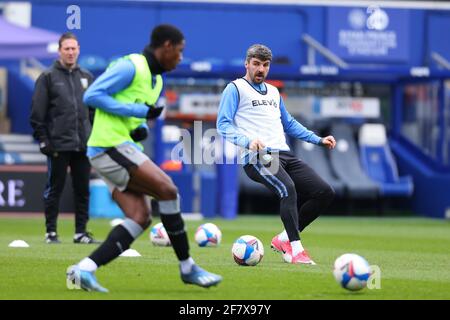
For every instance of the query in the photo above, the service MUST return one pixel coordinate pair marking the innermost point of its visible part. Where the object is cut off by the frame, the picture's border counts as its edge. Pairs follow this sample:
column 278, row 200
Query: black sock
column 174, row 225
column 119, row 240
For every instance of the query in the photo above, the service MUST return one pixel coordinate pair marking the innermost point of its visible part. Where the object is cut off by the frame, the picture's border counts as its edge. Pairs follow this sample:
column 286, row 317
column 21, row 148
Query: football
column 247, row 251
column 351, row 271
column 208, row 235
column 158, row 236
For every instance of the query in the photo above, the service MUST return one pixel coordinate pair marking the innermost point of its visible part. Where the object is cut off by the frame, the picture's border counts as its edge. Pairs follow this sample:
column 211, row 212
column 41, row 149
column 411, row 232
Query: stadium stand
column 411, row 83
column 19, row 149
column 316, row 158
column 378, row 162
column 346, row 165
column 93, row 63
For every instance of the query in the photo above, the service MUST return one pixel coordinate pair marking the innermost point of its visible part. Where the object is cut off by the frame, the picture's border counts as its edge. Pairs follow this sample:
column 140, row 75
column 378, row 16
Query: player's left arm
column 295, row 129
column 328, row 142
column 113, row 80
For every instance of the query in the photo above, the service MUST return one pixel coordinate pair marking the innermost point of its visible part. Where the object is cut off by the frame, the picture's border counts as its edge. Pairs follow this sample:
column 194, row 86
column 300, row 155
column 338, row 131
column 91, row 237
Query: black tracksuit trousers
column 303, row 194
column 56, row 176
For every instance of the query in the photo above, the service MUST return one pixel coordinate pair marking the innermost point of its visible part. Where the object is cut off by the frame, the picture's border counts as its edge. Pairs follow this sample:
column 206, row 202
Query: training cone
column 18, row 244
column 130, row 253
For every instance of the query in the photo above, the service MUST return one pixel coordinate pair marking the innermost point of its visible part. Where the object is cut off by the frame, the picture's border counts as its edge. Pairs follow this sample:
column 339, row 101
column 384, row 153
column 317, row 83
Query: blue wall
column 223, row 31
column 112, row 28
column 437, row 33
column 20, row 91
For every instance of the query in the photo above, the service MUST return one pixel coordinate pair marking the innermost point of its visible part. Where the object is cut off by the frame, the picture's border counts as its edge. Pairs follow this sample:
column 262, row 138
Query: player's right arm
column 227, row 110
column 113, row 80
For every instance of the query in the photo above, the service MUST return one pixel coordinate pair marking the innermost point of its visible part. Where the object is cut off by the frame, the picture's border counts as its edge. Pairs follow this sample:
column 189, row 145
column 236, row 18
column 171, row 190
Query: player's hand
column 139, row 134
column 154, row 111
column 328, row 142
column 256, row 145
column 46, row 148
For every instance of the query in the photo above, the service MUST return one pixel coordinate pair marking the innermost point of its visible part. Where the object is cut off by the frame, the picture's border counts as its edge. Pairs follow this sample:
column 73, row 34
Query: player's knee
column 148, row 222
column 289, row 192
column 143, row 218
column 168, row 191
column 327, row 194
column 330, row 193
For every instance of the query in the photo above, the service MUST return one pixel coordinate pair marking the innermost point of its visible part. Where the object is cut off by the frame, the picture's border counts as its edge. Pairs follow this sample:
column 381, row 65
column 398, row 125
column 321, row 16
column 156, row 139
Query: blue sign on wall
column 370, row 34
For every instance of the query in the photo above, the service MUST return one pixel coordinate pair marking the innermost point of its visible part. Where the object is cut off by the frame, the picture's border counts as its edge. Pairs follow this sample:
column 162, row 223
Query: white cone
column 115, row 222
column 18, row 244
column 130, row 253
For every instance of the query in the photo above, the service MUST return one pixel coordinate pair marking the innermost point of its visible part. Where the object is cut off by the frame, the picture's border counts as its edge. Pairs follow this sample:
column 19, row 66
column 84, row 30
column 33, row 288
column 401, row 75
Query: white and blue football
column 351, row 271
column 208, row 235
column 247, row 251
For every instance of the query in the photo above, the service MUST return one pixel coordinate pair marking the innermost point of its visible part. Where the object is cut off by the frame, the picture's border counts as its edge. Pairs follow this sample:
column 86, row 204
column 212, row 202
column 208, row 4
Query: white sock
column 283, row 236
column 77, row 235
column 186, row 265
column 87, row 264
column 296, row 247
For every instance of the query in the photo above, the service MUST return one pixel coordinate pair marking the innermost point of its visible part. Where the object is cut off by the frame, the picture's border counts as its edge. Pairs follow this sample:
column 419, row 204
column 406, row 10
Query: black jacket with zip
column 58, row 115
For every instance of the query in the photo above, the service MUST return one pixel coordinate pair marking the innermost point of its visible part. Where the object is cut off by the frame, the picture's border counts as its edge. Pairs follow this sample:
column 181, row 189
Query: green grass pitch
column 413, row 255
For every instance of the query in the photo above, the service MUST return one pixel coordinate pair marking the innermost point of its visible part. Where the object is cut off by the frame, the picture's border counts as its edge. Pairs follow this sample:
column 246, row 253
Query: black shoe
column 86, row 238
column 51, row 238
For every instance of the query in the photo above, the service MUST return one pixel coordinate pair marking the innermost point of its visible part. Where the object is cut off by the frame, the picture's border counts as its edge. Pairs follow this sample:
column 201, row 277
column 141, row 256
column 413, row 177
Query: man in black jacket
column 62, row 126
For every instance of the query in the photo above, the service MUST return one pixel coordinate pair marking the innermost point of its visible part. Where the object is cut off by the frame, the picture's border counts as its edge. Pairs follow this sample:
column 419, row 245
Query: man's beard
column 258, row 75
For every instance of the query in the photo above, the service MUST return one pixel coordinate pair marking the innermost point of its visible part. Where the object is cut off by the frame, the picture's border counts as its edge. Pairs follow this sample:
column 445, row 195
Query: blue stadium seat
column 379, row 164
column 93, row 63
column 9, row 158
column 316, row 158
column 346, row 165
column 20, row 149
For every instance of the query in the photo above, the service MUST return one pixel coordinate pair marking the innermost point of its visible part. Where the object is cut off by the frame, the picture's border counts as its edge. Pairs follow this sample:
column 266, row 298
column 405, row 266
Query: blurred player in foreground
column 124, row 97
